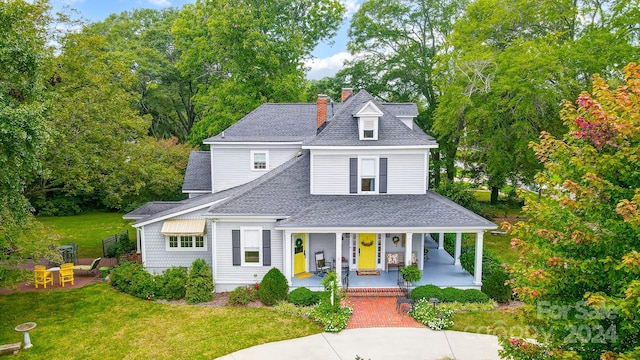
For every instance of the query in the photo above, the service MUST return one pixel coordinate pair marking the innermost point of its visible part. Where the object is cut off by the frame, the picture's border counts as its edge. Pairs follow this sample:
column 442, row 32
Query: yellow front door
column 299, row 253
column 367, row 250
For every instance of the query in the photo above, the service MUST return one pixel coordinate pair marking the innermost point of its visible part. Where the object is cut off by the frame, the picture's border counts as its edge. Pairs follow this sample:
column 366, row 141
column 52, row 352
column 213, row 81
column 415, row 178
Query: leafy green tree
column 103, row 157
column 394, row 44
column 142, row 40
column 245, row 53
column 24, row 131
column 511, row 63
column 579, row 263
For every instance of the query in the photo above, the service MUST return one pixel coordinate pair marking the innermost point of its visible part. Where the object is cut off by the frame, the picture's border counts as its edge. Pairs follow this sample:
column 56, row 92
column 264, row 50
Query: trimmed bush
column 123, row 275
column 242, row 295
column 273, row 288
column 303, row 297
column 200, row 283
column 173, row 283
column 452, row 294
column 493, row 285
column 426, row 292
column 131, row 278
column 475, row 296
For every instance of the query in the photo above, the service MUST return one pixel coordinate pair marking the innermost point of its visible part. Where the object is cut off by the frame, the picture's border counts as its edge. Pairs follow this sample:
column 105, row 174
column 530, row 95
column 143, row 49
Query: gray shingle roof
column 286, row 194
column 150, row 208
column 198, row 174
column 274, row 123
column 402, row 109
column 342, row 130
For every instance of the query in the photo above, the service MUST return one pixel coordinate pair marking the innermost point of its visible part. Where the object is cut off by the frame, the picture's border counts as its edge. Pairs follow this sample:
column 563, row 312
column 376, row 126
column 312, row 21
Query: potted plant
column 411, row 274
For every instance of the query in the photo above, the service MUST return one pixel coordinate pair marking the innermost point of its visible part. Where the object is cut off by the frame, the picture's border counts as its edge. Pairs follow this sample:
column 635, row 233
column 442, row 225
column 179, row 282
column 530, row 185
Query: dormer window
column 368, row 119
column 368, row 130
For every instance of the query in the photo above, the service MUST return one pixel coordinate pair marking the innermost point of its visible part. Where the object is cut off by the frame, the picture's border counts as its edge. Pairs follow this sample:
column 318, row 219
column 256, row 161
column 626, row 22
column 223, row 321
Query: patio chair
column 88, row 268
column 322, row 266
column 403, row 300
column 66, row 274
column 41, row 276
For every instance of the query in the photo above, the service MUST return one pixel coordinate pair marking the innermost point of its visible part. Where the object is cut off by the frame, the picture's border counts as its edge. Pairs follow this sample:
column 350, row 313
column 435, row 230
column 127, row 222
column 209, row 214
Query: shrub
column 435, row 317
column 452, row 294
column 303, row 297
column 333, row 319
column 273, row 288
column 426, row 292
column 288, row 308
column 475, row 296
column 124, row 246
column 131, row 278
column 242, row 295
column 173, row 283
column 493, row 285
column 200, row 283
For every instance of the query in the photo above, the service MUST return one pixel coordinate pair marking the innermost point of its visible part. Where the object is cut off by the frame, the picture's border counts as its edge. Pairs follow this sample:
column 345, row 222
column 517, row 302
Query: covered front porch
column 438, row 268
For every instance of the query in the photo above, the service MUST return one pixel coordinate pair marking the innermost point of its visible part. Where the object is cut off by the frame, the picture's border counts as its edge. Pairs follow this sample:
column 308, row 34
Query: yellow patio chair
column 66, row 274
column 42, row 276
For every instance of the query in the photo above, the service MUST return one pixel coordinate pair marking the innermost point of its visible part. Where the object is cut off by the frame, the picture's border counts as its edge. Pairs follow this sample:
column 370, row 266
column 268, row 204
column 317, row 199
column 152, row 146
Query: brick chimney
column 321, row 110
column 346, row 92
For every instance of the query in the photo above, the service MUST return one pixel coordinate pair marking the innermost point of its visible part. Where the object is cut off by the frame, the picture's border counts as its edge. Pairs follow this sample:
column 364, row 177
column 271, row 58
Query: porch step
column 375, row 292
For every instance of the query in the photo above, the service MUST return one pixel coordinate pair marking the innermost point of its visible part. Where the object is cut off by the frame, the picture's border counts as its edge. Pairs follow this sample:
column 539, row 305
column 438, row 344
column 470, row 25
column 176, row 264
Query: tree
column 24, row 132
column 579, row 252
column 142, row 40
column 245, row 53
column 394, row 44
column 511, row 63
column 103, row 157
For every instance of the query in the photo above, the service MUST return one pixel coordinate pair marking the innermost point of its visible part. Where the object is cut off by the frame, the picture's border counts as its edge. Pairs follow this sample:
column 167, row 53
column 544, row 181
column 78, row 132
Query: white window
column 251, row 246
column 185, row 243
column 259, row 160
column 367, row 175
column 368, row 128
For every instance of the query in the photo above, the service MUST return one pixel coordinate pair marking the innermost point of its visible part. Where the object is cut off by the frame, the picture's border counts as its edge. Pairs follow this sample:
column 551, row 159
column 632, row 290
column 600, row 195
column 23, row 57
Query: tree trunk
column 436, row 168
column 494, row 195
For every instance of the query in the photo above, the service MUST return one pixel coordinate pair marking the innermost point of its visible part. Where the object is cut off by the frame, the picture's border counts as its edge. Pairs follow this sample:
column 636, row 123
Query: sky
column 327, row 58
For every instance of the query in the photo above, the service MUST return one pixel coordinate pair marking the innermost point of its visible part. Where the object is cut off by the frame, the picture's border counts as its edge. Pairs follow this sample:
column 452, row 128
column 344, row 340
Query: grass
column 499, row 322
column 87, row 230
column 98, row 322
column 501, row 246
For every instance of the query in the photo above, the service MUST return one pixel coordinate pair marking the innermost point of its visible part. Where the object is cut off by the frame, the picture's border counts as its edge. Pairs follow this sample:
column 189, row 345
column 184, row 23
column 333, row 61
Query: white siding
column 405, row 173
column 157, row 258
column 228, row 276
column 231, row 166
column 330, row 175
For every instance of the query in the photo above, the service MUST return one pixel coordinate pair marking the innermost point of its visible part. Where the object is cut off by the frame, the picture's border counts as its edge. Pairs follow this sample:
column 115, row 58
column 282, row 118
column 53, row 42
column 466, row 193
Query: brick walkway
column 380, row 311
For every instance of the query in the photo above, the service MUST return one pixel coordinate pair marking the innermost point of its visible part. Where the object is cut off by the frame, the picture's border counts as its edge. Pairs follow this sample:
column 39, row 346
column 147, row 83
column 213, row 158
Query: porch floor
column 438, row 270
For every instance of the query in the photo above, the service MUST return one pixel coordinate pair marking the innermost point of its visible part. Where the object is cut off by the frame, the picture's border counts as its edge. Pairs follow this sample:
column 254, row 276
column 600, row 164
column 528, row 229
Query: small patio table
column 67, row 253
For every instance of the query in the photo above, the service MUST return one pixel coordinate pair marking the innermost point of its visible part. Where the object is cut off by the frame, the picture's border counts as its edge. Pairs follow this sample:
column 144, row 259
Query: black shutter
column 353, row 175
column 383, row 175
column 266, row 247
column 235, row 242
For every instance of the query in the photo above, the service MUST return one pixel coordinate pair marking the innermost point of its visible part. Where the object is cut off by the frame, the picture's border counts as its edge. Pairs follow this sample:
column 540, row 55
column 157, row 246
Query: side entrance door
column 299, row 253
column 367, row 251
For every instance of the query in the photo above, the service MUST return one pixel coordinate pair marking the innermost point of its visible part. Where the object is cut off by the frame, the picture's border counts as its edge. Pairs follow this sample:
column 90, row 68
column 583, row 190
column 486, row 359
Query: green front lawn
column 501, row 246
column 500, row 322
column 87, row 230
column 98, row 322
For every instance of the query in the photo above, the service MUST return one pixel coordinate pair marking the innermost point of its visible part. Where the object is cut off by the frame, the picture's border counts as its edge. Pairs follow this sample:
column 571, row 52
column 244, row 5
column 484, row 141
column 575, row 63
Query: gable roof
column 198, row 174
column 274, row 123
column 342, row 130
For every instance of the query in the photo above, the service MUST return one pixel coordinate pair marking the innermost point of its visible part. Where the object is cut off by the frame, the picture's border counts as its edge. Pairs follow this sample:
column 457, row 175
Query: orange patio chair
column 42, row 276
column 66, row 274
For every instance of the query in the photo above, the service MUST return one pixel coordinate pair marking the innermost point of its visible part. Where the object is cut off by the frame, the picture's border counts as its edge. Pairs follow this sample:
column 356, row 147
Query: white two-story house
column 347, row 181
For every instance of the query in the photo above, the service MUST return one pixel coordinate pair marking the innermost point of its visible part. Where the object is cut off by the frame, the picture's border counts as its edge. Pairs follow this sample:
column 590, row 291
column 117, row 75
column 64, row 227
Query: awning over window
column 183, row 227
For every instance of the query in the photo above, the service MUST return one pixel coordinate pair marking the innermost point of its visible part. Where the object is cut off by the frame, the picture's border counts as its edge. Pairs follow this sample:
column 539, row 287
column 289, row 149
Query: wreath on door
column 367, row 244
column 396, row 240
column 298, row 242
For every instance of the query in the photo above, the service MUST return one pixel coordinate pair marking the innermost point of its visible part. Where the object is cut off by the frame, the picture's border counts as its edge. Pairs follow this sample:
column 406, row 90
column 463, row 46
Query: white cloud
column 161, row 3
column 352, row 6
column 319, row 68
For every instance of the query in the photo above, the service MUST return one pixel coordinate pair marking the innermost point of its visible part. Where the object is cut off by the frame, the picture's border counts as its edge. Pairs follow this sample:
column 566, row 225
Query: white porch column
column 441, row 241
column 287, row 256
column 456, row 257
column 339, row 257
column 477, row 267
column 420, row 257
column 407, row 249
